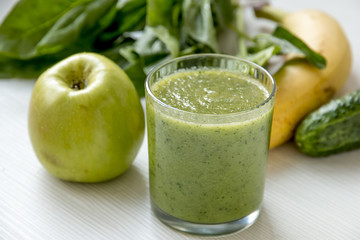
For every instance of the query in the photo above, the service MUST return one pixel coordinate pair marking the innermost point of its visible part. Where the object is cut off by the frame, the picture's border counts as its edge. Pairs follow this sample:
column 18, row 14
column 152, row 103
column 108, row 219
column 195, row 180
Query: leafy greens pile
column 136, row 34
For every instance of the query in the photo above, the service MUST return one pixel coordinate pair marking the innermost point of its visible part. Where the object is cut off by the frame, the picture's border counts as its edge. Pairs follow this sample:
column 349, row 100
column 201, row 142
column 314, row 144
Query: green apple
column 86, row 122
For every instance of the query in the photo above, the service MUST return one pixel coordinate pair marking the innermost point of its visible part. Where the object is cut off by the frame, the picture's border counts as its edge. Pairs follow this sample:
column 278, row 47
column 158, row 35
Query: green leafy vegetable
column 263, row 41
column 136, row 34
column 263, row 56
column 314, row 58
column 12, row 68
column 162, row 19
column 240, row 25
column 130, row 16
column 54, row 26
column 199, row 23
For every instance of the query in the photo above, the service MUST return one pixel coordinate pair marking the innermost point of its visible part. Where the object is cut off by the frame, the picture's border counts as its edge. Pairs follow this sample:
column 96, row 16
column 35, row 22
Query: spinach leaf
column 150, row 48
column 263, row 41
column 223, row 13
column 263, row 56
column 314, row 58
column 166, row 34
column 163, row 20
column 288, row 44
column 158, row 41
column 198, row 22
column 239, row 29
column 137, row 76
column 141, row 56
column 130, row 16
column 18, row 68
column 53, row 27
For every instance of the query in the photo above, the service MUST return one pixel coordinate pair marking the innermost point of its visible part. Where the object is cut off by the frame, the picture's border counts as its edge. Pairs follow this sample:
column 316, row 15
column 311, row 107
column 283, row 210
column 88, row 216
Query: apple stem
column 77, row 85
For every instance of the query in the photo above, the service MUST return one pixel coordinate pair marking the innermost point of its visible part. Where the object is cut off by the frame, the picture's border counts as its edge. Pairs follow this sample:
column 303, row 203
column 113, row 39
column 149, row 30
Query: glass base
column 205, row 229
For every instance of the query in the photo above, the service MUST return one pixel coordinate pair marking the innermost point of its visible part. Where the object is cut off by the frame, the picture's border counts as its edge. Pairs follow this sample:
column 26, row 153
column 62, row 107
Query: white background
column 305, row 198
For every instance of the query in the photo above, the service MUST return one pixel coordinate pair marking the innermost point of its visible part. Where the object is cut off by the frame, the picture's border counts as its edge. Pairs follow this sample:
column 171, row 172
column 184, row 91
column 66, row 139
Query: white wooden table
column 305, row 198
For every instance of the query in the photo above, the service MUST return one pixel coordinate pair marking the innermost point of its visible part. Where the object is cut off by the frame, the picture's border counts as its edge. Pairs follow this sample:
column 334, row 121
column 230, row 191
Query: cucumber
column 333, row 128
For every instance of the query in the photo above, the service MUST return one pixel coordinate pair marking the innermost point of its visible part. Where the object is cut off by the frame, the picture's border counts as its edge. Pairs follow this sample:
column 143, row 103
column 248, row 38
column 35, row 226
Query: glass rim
column 213, row 55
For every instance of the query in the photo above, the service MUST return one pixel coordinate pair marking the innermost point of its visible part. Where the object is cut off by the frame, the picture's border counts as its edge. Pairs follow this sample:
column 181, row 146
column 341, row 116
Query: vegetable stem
column 271, row 13
column 240, row 25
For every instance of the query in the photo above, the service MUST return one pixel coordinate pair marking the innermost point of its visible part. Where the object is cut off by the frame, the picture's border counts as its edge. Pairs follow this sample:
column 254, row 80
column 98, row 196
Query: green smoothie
column 207, row 171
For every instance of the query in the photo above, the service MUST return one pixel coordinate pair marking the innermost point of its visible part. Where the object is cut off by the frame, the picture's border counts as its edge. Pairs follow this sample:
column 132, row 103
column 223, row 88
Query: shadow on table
column 86, row 210
column 128, row 185
column 127, row 191
column 287, row 158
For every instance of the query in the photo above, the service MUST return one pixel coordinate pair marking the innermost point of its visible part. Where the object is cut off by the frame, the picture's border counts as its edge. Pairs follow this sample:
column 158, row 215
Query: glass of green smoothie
column 209, row 121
